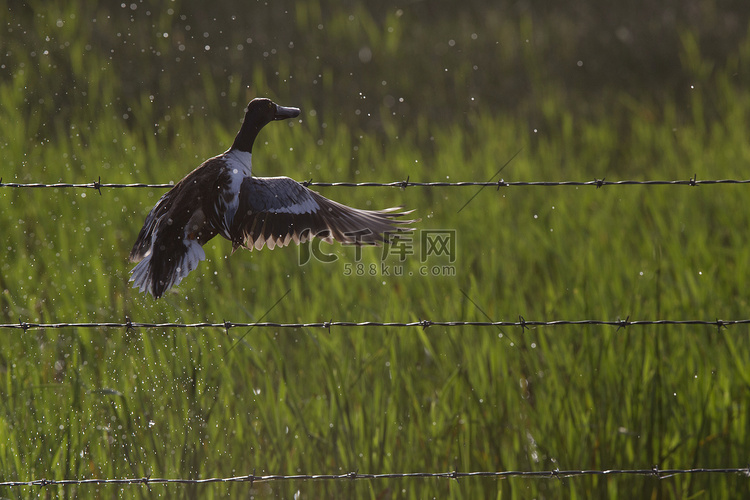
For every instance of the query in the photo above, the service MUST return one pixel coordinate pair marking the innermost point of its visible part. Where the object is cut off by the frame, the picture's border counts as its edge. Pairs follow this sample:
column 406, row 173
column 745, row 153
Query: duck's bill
column 283, row 112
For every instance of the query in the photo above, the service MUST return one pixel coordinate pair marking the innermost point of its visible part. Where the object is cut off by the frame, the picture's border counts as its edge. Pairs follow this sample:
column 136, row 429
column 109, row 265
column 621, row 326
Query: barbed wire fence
column 655, row 472
column 523, row 324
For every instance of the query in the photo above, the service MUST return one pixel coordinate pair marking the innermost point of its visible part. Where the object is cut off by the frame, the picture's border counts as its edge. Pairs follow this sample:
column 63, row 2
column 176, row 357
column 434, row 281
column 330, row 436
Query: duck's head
column 259, row 112
column 262, row 110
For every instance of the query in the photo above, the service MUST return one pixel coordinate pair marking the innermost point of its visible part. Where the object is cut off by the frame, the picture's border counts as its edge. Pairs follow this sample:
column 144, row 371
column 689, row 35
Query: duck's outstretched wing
column 275, row 211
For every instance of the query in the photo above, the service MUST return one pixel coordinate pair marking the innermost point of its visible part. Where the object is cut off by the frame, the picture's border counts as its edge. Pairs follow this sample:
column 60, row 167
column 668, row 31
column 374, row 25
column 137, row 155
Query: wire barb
column 719, row 325
column 623, row 324
column 522, row 323
column 98, row 185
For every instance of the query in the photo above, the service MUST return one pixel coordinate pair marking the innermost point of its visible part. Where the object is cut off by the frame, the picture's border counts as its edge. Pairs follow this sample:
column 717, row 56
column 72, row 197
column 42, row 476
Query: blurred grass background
column 144, row 91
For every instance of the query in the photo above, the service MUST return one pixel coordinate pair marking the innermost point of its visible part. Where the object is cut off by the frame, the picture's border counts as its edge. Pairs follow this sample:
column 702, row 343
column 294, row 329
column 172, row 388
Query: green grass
column 189, row 403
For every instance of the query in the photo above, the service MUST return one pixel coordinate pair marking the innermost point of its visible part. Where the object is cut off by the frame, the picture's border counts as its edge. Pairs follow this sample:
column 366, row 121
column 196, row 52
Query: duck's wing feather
column 143, row 242
column 275, row 211
column 169, row 245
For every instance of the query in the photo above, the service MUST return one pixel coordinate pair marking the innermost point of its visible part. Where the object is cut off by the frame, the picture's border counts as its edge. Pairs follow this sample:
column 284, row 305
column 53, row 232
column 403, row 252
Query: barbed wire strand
column 252, row 478
column 598, row 183
column 424, row 323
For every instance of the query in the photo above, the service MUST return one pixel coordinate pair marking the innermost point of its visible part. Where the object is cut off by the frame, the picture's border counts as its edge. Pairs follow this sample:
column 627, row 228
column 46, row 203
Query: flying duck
column 222, row 197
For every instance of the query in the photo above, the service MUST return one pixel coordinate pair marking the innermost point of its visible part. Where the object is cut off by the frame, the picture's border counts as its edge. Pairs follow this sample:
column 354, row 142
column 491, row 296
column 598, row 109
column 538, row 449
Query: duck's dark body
column 222, row 197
